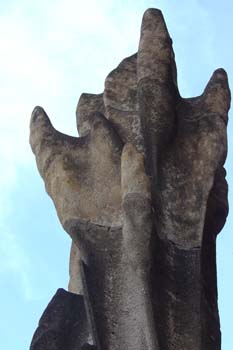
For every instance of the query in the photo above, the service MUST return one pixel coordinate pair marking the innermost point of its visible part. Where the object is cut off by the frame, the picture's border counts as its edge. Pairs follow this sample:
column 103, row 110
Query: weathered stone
column 75, row 282
column 63, row 324
column 143, row 195
column 88, row 104
column 82, row 175
column 121, row 103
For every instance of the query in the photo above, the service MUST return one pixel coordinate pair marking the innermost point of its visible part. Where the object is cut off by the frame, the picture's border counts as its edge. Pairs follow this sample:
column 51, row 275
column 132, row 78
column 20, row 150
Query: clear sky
column 51, row 52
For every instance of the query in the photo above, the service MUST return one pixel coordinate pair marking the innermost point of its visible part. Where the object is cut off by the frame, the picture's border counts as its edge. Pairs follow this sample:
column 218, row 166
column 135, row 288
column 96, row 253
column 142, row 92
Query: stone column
column 142, row 193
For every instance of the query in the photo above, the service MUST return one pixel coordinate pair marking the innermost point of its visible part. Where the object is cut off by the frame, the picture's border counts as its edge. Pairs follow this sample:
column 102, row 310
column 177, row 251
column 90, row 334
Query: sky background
column 51, row 52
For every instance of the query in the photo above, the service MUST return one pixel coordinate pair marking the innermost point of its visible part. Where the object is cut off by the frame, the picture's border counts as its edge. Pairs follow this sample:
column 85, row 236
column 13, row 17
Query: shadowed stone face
column 142, row 192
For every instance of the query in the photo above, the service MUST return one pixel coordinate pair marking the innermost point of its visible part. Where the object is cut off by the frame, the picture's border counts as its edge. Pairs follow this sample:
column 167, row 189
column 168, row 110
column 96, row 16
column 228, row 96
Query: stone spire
column 142, row 193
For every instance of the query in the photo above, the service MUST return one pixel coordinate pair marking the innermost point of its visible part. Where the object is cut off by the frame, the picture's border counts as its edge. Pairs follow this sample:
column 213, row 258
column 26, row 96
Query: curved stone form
column 142, row 193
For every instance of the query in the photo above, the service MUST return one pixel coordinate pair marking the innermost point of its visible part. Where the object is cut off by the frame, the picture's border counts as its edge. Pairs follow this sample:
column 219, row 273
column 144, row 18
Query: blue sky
column 51, row 52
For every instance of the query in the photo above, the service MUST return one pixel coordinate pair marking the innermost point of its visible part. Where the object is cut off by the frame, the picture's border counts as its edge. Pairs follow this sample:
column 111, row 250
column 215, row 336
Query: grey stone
column 63, row 324
column 142, row 193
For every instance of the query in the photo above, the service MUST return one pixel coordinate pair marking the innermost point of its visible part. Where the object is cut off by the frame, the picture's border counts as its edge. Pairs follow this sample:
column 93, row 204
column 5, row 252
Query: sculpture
column 142, row 193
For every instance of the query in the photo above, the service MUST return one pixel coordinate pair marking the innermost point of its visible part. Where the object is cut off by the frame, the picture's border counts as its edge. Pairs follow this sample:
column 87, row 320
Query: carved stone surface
column 142, row 193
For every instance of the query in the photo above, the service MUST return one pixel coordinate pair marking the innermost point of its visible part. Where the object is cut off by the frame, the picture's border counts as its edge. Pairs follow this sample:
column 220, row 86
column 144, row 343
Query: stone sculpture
column 143, row 195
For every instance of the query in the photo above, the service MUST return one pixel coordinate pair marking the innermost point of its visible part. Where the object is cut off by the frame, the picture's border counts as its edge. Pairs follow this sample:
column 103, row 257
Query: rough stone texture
column 63, row 324
column 75, row 282
column 142, row 193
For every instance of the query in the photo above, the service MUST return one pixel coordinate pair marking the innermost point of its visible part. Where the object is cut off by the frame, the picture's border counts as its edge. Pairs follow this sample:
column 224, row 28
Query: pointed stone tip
column 220, row 77
column 219, row 80
column 154, row 27
column 153, row 18
column 152, row 12
column 220, row 74
column 38, row 113
column 217, row 95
